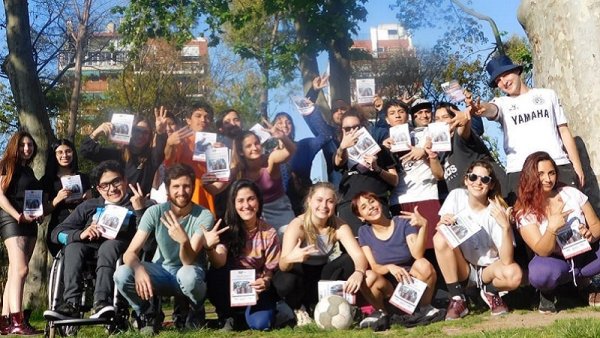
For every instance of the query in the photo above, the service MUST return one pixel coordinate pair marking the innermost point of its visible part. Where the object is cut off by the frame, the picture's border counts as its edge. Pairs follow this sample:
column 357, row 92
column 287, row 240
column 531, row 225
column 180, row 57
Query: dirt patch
column 518, row 320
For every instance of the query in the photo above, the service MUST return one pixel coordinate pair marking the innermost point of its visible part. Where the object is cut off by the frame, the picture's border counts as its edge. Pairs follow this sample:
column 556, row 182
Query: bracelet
column 360, row 271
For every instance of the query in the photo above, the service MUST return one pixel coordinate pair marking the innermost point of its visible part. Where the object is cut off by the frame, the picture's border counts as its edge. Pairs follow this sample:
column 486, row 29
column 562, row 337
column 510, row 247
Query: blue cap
column 498, row 65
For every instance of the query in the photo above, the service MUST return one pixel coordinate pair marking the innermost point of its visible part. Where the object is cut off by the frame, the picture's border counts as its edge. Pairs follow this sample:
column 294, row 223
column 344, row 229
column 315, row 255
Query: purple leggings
column 546, row 273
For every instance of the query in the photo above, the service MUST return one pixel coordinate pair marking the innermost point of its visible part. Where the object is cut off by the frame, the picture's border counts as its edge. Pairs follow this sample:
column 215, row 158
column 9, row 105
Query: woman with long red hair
column 17, row 229
column 547, row 212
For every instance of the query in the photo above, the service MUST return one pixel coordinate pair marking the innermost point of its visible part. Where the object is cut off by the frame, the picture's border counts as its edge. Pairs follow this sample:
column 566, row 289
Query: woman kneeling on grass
column 485, row 259
column 308, row 251
column 394, row 248
column 544, row 211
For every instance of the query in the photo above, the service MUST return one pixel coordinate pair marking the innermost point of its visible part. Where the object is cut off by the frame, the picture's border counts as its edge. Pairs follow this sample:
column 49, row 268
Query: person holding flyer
column 141, row 157
column 81, row 238
column 395, row 250
column 249, row 244
column 62, row 161
column 379, row 175
column 544, row 208
column 181, row 229
column 18, row 230
column 484, row 260
column 310, row 253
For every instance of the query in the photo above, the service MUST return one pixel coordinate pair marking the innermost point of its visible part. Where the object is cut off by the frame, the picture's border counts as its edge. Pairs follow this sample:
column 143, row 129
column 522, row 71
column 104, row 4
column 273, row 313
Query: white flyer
column 202, row 142
column 406, row 297
column 111, row 220
column 464, row 227
column 73, row 184
column 218, row 163
column 303, row 105
column 453, row 91
column 570, row 240
column 334, row 287
column 400, row 136
column 439, row 132
column 365, row 145
column 241, row 291
column 122, row 128
column 261, row 132
column 33, row 203
column 365, row 90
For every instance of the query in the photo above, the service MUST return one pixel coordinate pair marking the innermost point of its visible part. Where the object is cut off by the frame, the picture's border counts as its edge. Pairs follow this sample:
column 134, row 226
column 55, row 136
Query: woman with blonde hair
column 309, row 253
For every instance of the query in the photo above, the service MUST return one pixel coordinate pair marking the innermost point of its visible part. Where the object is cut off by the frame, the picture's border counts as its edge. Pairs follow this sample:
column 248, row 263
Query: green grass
column 575, row 328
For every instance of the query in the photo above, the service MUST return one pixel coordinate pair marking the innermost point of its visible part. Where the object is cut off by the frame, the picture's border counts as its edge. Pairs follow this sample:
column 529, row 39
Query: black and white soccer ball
column 333, row 312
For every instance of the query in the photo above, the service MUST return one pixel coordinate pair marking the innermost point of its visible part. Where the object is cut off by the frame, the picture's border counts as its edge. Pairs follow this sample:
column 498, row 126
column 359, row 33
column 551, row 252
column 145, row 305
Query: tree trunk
column 264, row 93
column 307, row 59
column 339, row 65
column 566, row 56
column 80, row 43
column 20, row 68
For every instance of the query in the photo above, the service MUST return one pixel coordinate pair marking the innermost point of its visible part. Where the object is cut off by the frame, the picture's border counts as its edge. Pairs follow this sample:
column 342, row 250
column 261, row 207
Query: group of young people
column 375, row 227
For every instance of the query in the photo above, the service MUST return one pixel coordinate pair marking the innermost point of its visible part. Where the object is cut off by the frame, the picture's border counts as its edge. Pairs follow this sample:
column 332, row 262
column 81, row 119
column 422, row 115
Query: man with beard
column 229, row 125
column 181, row 228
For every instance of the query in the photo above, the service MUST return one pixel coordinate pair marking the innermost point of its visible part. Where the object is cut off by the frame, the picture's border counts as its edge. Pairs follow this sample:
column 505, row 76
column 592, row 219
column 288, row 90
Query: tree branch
column 483, row 17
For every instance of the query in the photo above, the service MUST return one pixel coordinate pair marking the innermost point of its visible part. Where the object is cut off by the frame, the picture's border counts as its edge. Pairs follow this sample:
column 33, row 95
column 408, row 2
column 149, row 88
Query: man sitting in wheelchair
column 83, row 236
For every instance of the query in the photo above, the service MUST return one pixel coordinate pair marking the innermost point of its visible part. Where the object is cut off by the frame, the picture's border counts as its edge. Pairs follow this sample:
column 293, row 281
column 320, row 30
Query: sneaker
column 147, row 324
column 457, row 308
column 547, row 304
column 302, row 317
column 594, row 298
column 228, row 325
column 66, row 310
column 377, row 321
column 428, row 311
column 196, row 318
column 495, row 302
column 103, row 309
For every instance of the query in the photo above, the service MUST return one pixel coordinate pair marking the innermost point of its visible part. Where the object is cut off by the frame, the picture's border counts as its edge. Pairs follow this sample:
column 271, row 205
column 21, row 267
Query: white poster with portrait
column 439, row 132
column 33, row 203
column 365, row 90
column 122, row 128
column 111, row 220
column 241, row 291
column 202, row 142
column 73, row 184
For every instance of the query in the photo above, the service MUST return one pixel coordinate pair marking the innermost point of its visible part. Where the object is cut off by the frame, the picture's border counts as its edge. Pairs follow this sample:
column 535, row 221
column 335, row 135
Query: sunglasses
column 484, row 179
column 350, row 128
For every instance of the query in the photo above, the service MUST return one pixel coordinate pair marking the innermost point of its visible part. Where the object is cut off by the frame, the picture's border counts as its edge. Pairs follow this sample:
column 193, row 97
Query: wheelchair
column 69, row 327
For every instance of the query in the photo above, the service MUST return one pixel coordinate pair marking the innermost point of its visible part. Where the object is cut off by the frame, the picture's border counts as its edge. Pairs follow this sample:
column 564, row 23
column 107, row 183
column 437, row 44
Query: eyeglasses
column 350, row 128
column 106, row 185
column 484, row 179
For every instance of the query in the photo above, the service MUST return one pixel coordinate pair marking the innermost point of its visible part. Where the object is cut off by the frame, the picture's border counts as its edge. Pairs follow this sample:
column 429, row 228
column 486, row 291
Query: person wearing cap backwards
column 532, row 120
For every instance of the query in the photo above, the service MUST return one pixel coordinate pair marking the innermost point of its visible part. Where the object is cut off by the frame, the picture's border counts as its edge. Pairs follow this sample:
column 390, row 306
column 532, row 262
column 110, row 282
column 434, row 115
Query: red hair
column 531, row 198
column 12, row 158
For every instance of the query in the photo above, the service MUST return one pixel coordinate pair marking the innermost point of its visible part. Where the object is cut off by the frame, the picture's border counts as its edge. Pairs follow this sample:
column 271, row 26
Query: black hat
column 420, row 104
column 498, row 65
column 339, row 104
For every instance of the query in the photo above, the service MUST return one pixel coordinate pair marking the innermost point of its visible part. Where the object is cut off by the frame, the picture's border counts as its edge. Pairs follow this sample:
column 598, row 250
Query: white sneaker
column 302, row 317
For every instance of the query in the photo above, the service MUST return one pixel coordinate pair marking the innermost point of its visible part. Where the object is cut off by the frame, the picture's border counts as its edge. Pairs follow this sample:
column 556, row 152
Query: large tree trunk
column 20, row 68
column 339, row 65
column 80, row 43
column 307, row 59
column 566, row 55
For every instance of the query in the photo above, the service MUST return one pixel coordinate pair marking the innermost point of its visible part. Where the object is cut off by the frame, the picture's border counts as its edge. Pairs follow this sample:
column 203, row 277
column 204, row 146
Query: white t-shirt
column 481, row 249
column 530, row 122
column 574, row 200
column 416, row 182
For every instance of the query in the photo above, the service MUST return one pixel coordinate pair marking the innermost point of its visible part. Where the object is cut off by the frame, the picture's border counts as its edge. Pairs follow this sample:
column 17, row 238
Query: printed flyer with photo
column 261, row 132
column 400, row 136
column 202, row 142
column 570, row 240
column 111, row 220
column 218, row 163
column 122, row 128
column 464, row 227
column 242, row 293
column 365, row 90
column 334, row 287
column 365, row 145
column 73, row 184
column 439, row 132
column 33, row 203
column 303, row 105
column 406, row 296
column 454, row 91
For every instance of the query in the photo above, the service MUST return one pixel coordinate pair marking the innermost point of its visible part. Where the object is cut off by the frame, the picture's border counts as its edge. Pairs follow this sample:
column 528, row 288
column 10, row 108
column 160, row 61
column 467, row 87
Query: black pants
column 75, row 258
column 299, row 286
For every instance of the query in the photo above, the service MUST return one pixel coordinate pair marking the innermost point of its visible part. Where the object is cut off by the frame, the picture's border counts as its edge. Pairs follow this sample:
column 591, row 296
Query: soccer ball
column 333, row 312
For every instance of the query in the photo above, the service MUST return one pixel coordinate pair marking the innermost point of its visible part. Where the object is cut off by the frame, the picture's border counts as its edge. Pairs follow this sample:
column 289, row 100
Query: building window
column 392, row 32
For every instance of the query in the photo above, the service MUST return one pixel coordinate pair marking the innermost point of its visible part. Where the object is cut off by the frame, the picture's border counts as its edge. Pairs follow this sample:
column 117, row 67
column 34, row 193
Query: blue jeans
column 167, row 280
